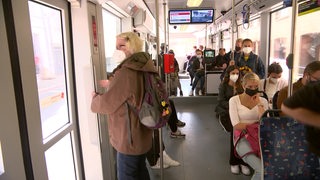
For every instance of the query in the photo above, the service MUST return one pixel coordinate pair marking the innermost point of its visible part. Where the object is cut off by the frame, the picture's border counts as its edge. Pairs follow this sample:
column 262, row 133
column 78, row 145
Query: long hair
column 227, row 78
column 134, row 43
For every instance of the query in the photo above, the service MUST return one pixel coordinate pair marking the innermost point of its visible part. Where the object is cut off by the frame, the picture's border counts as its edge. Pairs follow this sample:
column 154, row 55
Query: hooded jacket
column 127, row 135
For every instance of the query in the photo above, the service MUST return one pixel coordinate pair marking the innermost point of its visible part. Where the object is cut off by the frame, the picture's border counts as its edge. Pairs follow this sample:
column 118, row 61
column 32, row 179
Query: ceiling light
column 194, row 3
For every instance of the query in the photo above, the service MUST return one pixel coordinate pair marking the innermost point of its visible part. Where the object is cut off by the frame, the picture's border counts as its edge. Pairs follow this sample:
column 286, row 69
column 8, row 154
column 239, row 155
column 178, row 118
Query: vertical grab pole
column 291, row 55
column 232, row 28
column 157, row 35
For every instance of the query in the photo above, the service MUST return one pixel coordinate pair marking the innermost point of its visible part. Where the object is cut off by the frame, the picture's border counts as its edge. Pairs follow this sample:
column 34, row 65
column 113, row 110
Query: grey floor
column 204, row 153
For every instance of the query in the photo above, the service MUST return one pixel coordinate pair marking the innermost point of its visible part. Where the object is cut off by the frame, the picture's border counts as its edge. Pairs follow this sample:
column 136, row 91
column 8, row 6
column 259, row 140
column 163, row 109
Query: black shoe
column 180, row 123
column 181, row 93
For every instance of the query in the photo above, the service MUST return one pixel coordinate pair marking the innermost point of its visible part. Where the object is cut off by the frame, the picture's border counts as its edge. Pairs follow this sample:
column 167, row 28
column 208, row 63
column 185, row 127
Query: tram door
column 41, row 35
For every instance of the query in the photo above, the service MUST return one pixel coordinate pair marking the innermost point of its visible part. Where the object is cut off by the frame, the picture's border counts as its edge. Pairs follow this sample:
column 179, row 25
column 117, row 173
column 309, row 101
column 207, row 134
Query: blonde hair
column 134, row 43
column 250, row 76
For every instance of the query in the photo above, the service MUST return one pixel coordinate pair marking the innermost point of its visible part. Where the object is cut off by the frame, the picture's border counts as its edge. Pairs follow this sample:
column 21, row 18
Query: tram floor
column 204, row 152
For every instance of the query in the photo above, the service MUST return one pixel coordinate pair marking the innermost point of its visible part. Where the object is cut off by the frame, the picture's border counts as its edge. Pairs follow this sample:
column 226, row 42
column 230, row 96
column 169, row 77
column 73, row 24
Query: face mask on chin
column 118, row 56
column 251, row 92
column 247, row 50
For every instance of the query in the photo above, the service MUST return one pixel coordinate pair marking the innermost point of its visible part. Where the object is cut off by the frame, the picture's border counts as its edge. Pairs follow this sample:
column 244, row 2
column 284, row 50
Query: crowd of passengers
column 240, row 104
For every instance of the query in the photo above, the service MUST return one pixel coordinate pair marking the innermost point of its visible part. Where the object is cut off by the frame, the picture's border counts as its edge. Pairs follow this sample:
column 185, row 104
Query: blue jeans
column 255, row 162
column 132, row 167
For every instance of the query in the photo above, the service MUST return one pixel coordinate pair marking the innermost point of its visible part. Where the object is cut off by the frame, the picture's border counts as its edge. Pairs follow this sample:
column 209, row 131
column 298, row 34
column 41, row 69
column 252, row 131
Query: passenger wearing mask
column 273, row 82
column 311, row 74
column 246, row 109
column 230, row 86
column 198, row 70
column 134, row 141
column 250, row 62
column 233, row 56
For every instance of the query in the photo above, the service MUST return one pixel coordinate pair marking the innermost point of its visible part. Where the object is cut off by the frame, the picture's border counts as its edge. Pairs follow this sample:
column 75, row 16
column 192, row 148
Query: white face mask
column 273, row 80
column 247, row 50
column 234, row 77
column 199, row 56
column 118, row 56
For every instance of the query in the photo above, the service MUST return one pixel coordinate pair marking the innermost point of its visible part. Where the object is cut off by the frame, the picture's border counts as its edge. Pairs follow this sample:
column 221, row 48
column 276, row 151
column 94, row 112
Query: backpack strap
column 264, row 85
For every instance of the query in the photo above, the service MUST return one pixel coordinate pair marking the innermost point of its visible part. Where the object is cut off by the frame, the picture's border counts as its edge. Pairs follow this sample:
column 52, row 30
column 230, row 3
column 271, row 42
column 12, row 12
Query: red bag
column 251, row 133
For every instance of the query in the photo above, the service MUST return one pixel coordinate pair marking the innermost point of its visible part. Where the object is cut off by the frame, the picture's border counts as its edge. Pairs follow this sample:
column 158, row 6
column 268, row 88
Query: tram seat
column 284, row 150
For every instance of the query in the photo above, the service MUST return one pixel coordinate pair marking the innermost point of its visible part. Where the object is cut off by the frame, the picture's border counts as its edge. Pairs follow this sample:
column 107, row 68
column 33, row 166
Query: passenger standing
column 132, row 141
column 233, row 56
column 175, row 81
column 304, row 105
column 246, row 109
column 198, row 70
column 250, row 62
column 230, row 86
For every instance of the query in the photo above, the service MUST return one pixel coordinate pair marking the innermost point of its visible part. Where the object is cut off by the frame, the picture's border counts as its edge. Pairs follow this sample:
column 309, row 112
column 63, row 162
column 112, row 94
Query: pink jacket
column 126, row 86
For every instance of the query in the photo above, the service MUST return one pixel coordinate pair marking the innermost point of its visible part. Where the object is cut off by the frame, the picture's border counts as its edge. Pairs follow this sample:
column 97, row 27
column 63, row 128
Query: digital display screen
column 209, row 53
column 202, row 15
column 179, row 16
column 191, row 16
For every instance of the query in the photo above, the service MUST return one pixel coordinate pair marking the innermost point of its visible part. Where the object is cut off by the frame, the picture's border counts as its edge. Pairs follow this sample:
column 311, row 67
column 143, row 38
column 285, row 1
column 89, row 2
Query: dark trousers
column 196, row 79
column 132, row 167
column 172, row 122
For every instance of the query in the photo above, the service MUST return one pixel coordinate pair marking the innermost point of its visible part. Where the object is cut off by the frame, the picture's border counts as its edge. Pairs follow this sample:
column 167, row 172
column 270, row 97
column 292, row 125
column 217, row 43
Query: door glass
column 59, row 160
column 49, row 60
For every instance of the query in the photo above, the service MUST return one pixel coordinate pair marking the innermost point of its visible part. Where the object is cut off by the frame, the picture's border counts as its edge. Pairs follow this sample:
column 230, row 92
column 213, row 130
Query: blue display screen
column 190, row 16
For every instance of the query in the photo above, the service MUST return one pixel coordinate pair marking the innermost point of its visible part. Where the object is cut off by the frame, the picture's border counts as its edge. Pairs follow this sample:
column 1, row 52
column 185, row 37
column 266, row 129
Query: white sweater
column 240, row 113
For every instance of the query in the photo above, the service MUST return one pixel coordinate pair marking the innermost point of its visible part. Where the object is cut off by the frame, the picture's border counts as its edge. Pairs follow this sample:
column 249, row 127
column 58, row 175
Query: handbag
column 251, row 133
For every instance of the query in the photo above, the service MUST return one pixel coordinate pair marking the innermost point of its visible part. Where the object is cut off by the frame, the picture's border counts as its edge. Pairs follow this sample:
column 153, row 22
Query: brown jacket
column 283, row 93
column 126, row 86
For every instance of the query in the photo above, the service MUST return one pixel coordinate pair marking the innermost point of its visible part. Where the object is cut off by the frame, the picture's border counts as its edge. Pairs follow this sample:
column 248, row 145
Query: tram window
column 110, row 33
column 280, row 38
column 307, row 42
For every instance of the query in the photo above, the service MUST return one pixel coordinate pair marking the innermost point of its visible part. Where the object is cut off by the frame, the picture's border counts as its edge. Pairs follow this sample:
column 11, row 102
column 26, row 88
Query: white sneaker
column 235, row 169
column 168, row 161
column 191, row 93
column 157, row 165
column 245, row 170
column 200, row 93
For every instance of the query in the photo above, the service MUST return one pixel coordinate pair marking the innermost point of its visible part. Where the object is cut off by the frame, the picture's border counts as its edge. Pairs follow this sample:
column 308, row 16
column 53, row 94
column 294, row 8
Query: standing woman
column 124, row 94
column 245, row 109
column 230, row 86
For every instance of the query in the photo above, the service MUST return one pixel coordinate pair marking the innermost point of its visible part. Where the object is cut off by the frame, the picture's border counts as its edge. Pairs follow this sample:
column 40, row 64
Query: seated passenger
column 246, row 109
column 199, row 74
column 230, row 86
column 311, row 73
column 273, row 82
column 221, row 60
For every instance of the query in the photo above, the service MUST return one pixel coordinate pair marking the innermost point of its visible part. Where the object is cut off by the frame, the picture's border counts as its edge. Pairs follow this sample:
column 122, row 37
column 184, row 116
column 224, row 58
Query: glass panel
column 59, row 159
column 253, row 33
column 110, row 33
column 50, row 66
column 307, row 44
column 280, row 38
column 1, row 161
